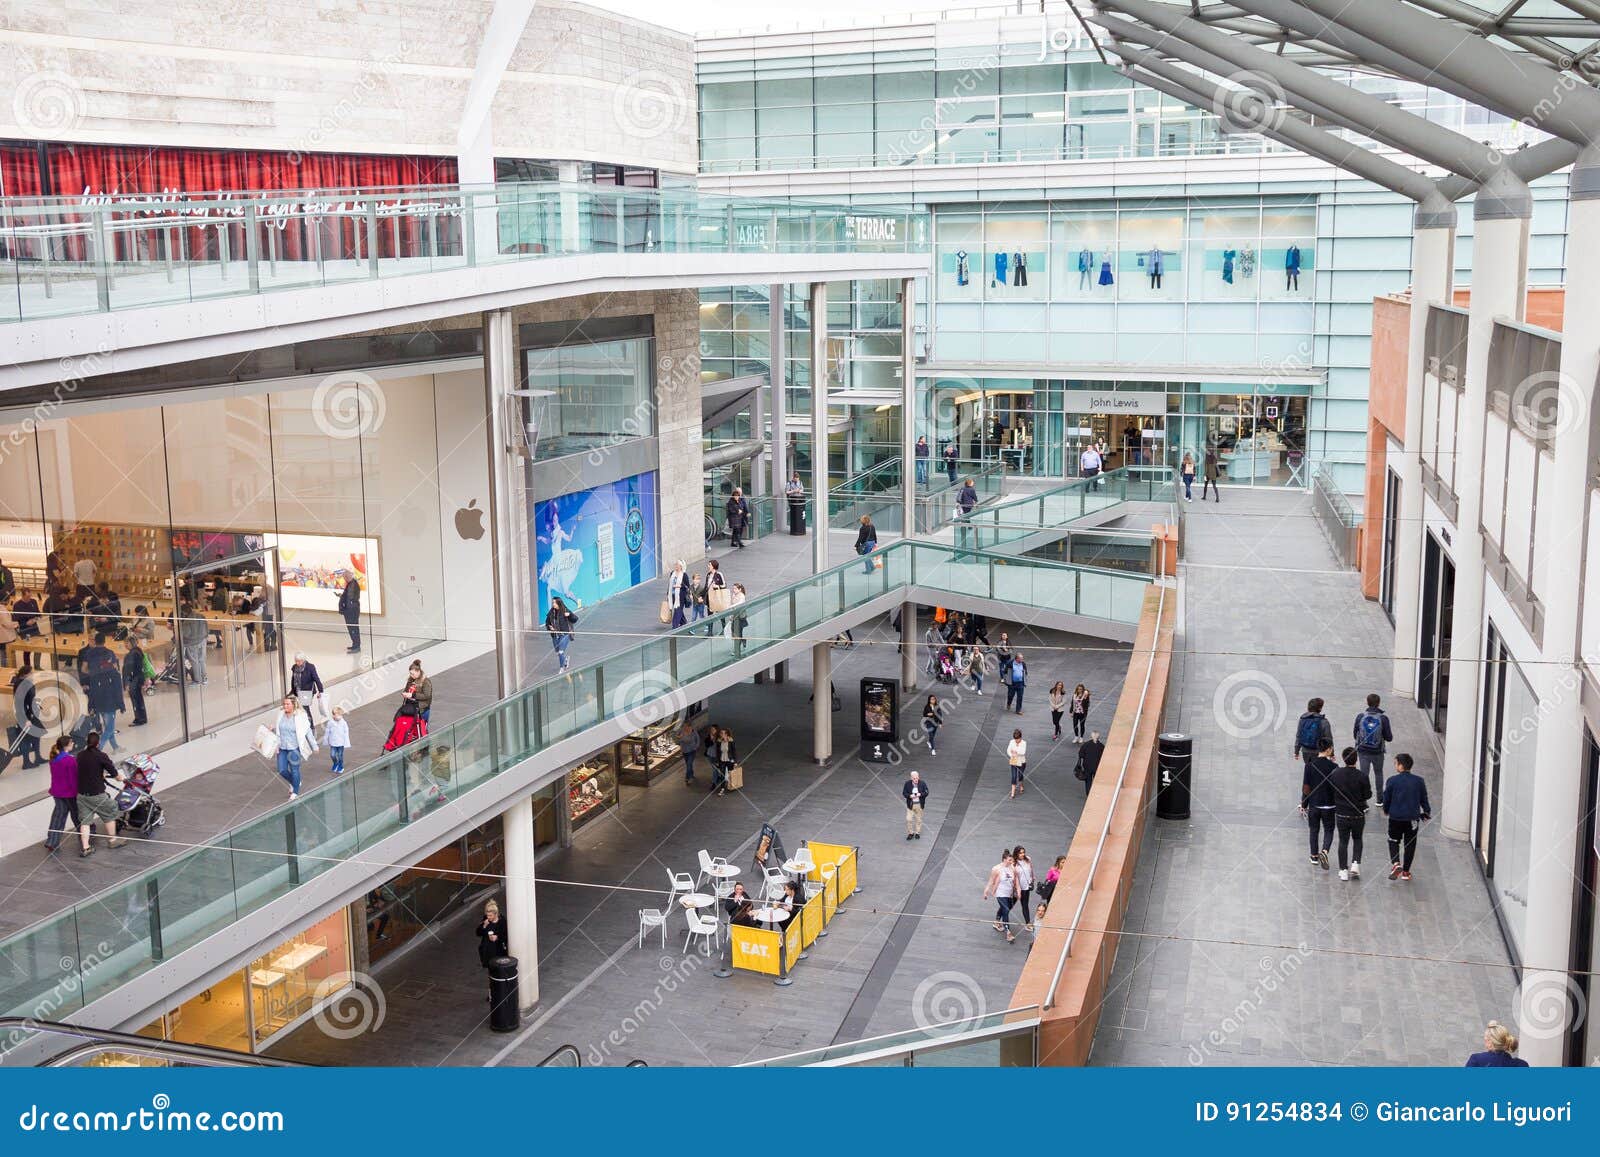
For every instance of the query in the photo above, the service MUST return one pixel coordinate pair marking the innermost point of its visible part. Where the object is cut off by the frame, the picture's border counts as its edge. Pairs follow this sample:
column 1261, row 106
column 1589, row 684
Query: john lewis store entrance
column 1041, row 426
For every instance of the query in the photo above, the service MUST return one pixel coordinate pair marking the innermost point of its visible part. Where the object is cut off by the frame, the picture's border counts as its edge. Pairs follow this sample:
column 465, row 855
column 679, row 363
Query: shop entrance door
column 1433, row 653
column 227, row 658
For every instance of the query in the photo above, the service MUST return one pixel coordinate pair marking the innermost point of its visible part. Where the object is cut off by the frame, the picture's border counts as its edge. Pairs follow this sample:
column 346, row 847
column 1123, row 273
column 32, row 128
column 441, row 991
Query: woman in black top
column 724, row 755
column 932, row 717
column 559, row 622
column 492, row 940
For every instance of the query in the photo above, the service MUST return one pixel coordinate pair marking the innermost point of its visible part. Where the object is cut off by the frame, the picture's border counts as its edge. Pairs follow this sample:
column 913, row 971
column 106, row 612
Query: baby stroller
column 947, row 666
column 140, row 811
column 174, row 670
column 406, row 729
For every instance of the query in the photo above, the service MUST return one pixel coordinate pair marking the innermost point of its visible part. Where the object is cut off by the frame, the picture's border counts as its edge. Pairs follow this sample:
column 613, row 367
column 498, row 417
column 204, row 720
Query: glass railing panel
column 808, row 605
column 262, row 851
column 379, row 790
column 114, row 935
column 40, row 970
column 327, row 827
column 1127, row 599
column 1052, row 587
column 696, row 655
column 197, row 897
column 1094, row 593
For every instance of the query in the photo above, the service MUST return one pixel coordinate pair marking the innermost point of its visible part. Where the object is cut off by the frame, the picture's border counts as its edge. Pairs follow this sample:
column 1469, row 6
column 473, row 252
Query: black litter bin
column 797, row 517
column 505, row 1006
column 1174, row 762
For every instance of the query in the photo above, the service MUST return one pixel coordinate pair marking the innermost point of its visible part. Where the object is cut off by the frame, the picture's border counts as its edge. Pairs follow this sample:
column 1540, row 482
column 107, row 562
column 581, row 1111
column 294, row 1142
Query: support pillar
column 908, row 406
column 818, row 294
column 822, row 702
column 1433, row 242
column 522, row 913
column 908, row 647
column 1499, row 290
column 758, row 465
column 1558, row 788
column 513, row 612
column 777, row 403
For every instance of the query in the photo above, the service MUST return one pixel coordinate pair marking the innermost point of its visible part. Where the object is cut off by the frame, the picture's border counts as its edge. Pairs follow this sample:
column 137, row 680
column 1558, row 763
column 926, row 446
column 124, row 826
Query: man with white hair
column 915, row 792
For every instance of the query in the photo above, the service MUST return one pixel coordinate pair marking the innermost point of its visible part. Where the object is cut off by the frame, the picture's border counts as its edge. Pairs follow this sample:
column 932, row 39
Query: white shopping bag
column 265, row 743
column 319, row 711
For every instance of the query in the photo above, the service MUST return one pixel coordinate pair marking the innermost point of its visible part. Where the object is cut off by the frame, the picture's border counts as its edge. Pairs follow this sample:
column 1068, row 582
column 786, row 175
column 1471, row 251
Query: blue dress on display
column 1000, row 260
column 1105, row 273
column 1227, row 264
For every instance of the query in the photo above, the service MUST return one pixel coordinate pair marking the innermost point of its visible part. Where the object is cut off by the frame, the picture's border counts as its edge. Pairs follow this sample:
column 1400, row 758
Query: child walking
column 337, row 738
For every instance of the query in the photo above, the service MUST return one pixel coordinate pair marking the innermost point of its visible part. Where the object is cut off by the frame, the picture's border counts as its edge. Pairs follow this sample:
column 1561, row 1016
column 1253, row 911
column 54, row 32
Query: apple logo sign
column 469, row 521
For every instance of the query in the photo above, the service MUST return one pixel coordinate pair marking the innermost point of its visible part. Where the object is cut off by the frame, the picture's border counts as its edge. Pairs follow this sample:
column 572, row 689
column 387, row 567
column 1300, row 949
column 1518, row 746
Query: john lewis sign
column 1115, row 402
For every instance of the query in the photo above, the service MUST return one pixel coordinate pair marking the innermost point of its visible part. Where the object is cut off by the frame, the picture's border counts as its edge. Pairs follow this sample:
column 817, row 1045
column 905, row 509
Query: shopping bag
column 319, row 711
column 877, row 563
column 736, row 777
column 718, row 600
column 666, row 611
column 265, row 743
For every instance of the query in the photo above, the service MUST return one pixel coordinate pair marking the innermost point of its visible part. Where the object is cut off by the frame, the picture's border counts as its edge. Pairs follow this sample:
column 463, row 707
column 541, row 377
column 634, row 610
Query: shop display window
column 591, row 788
column 959, row 266
column 294, row 978
column 1018, row 257
column 1083, row 248
column 1151, row 256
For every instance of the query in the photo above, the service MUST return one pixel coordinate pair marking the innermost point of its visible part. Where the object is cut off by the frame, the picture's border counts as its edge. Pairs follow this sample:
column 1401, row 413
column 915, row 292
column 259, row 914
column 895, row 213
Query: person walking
column 1089, row 463
column 1058, row 705
column 738, row 620
column 1003, row 654
column 1186, row 472
column 1018, row 681
column 63, row 792
column 350, row 612
column 102, row 679
column 933, row 640
column 932, row 718
column 950, row 460
column 1089, row 756
column 866, row 541
column 295, row 745
column 1024, row 870
column 915, row 792
column 975, row 670
column 922, row 453
column 1405, row 802
column 305, row 685
column 1002, row 888
column 1351, row 791
column 337, row 736
column 1213, row 472
column 1373, row 734
column 192, row 635
column 967, row 498
column 726, row 755
column 716, row 592
column 135, row 676
column 1017, row 757
column 559, row 621
column 698, row 601
column 95, row 773
column 1499, row 1050
column 795, row 492
column 678, row 595
column 1079, row 710
column 689, row 744
column 738, row 512
column 1047, row 887
column 1312, row 733
column 1316, row 803
column 493, row 939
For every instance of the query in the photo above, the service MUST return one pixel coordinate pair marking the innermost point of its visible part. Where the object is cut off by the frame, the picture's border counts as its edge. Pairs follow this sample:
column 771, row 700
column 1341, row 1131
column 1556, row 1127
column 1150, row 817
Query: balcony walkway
column 1265, row 611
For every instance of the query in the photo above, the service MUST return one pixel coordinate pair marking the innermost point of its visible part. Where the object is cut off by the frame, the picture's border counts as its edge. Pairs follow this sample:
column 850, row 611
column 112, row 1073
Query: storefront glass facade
column 1503, row 827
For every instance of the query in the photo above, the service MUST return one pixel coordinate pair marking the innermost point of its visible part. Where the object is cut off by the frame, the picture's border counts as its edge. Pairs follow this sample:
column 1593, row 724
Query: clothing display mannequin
column 1085, row 267
column 1227, row 264
column 1000, row 260
column 961, row 267
column 1152, row 266
column 1291, row 267
column 1247, row 262
column 1019, row 269
column 1105, row 273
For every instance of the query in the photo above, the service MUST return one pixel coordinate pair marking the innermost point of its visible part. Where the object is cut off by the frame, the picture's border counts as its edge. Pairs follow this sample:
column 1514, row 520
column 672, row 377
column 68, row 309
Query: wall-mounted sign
column 871, row 228
column 751, row 234
column 1115, row 402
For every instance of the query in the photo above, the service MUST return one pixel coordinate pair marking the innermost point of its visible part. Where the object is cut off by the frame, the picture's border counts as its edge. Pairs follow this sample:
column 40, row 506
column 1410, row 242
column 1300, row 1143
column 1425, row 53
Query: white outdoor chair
column 681, row 882
column 775, row 889
column 654, row 918
column 775, row 876
column 707, row 862
column 703, row 926
column 803, row 856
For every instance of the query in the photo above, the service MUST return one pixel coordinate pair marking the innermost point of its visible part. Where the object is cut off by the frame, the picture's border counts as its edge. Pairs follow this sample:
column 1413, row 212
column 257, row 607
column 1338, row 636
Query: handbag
column 666, row 611
column 265, row 743
column 718, row 600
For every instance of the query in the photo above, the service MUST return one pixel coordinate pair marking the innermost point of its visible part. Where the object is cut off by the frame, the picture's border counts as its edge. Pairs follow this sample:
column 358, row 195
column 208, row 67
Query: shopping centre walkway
column 915, row 946
column 35, row 884
column 1237, row 950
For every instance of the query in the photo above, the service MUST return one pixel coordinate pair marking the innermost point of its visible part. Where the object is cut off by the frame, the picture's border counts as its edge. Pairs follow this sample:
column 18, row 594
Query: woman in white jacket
column 293, row 729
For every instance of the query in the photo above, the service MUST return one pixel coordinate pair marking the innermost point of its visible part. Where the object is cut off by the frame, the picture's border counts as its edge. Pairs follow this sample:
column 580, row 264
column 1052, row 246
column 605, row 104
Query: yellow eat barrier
column 757, row 949
column 775, row 951
column 810, row 921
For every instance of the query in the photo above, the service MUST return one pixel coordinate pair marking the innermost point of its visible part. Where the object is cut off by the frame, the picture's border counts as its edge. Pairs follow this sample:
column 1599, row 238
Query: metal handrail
column 99, row 1040
column 577, row 1057
column 1122, row 778
column 924, row 1041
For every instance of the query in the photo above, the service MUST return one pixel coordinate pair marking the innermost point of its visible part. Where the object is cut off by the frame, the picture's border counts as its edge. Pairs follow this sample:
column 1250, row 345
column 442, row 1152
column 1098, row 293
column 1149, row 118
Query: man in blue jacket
column 1373, row 734
column 1405, row 802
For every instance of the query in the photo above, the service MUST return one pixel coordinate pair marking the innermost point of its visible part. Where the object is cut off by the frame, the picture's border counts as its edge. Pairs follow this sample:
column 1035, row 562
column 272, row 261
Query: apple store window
column 582, row 397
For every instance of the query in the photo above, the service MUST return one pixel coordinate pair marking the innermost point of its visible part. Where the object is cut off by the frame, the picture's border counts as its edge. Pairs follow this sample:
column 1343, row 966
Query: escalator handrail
column 99, row 1038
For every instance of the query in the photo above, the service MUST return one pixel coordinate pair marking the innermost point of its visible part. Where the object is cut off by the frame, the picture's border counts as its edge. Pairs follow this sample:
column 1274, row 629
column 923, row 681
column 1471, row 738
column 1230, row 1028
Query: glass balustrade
column 61, row 256
column 81, row 954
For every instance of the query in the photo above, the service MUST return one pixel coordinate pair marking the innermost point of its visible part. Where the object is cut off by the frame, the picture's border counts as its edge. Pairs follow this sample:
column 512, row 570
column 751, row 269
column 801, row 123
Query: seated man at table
column 65, row 611
column 103, row 610
column 25, row 612
column 736, row 898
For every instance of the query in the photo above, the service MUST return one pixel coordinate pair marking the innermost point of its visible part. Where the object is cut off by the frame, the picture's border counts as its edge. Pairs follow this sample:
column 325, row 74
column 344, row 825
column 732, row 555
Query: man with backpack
column 1312, row 733
column 1372, row 735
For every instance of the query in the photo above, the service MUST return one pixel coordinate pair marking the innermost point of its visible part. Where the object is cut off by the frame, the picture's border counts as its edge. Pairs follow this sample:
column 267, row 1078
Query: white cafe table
column 722, row 872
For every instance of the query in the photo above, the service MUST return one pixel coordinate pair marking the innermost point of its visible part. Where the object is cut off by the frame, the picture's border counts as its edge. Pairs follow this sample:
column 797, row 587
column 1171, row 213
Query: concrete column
column 522, row 911
column 1499, row 290
column 758, row 423
column 1558, row 788
column 567, row 172
column 1433, row 243
column 513, row 596
column 908, row 647
column 819, row 425
column 777, row 402
column 475, row 166
column 908, row 403
column 822, row 702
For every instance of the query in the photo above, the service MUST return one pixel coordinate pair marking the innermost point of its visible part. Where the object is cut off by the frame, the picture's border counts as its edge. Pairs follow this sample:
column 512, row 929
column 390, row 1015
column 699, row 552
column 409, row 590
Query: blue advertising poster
column 593, row 544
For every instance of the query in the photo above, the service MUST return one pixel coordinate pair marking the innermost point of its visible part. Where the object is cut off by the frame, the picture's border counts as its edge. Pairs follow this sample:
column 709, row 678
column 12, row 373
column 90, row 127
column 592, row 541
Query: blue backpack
column 1369, row 731
column 1309, row 737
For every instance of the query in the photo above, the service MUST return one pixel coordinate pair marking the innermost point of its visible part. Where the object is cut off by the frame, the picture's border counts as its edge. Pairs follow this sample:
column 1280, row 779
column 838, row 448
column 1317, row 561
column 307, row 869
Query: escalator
column 55, row 1045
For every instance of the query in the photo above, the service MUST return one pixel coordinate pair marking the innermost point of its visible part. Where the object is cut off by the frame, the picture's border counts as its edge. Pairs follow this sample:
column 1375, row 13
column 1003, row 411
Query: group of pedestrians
column 1335, row 791
column 1012, row 884
column 1213, row 474
column 716, row 743
column 691, row 597
column 81, row 785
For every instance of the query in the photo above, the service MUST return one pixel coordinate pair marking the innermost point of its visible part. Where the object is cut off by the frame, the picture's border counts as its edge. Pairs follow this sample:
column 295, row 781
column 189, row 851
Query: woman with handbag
column 716, row 592
column 725, row 755
column 739, row 621
column 675, row 610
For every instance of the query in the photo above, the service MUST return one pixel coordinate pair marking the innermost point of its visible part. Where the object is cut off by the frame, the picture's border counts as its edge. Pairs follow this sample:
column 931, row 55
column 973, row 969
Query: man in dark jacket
column 1405, row 802
column 866, row 541
column 968, row 498
column 350, row 612
column 1350, row 794
column 951, row 458
column 1089, row 760
column 1313, row 732
column 915, row 792
column 738, row 517
column 1372, row 734
column 922, row 453
column 1316, row 803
